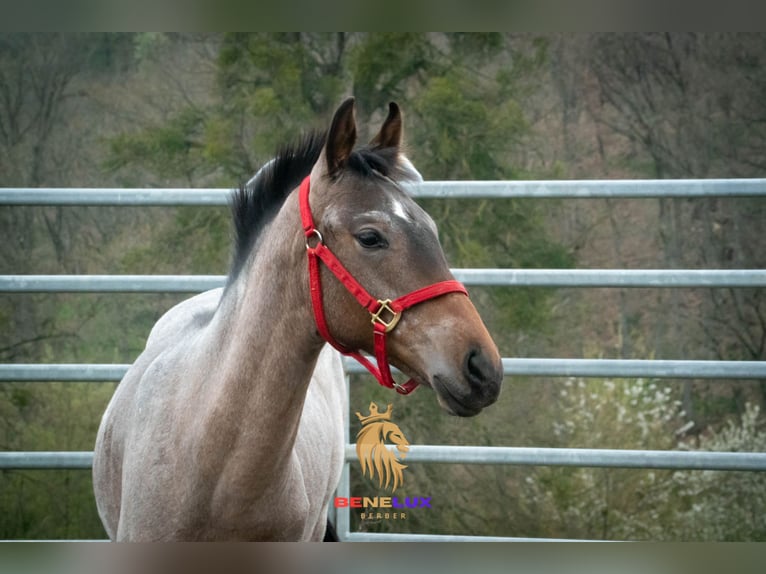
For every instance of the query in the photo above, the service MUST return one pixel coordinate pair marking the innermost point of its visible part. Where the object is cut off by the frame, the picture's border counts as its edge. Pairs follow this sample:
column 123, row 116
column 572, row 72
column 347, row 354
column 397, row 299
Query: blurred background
column 207, row 110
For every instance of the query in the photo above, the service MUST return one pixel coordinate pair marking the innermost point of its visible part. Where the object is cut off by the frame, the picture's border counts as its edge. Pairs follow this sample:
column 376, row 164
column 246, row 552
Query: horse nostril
column 473, row 367
column 479, row 369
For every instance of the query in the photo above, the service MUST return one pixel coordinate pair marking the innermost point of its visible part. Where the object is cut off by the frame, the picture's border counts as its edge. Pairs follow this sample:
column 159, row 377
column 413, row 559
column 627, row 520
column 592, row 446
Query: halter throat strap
column 384, row 313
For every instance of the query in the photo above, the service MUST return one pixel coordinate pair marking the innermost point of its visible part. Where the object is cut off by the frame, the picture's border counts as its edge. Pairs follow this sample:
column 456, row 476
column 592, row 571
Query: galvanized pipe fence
column 562, row 189
column 616, row 278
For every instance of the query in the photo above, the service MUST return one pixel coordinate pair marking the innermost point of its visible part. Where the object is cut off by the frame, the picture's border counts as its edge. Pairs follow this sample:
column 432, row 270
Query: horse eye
column 371, row 239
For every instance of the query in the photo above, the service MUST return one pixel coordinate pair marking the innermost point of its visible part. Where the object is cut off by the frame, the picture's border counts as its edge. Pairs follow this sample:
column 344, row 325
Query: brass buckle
column 385, row 306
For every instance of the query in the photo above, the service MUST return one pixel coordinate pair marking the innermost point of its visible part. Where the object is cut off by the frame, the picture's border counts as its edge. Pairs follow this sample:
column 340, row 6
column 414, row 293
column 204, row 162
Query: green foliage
column 277, row 85
column 460, row 135
column 171, row 151
column 383, row 64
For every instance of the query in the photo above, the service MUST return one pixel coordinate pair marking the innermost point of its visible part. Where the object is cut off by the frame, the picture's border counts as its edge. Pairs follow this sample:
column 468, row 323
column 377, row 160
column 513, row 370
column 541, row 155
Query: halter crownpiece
column 384, row 313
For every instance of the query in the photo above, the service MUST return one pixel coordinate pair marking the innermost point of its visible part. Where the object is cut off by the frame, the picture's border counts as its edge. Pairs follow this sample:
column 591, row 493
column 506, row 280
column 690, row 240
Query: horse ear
column 390, row 134
column 341, row 137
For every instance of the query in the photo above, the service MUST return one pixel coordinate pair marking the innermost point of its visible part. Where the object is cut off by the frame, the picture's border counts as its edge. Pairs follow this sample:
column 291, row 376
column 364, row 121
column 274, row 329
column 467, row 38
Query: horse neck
column 267, row 342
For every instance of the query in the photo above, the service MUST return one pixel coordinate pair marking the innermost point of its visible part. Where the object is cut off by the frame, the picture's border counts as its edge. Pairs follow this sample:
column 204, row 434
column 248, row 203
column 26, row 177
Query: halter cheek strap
column 384, row 313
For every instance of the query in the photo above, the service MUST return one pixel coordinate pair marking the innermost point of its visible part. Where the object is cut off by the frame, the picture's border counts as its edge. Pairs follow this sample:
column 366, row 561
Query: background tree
column 672, row 97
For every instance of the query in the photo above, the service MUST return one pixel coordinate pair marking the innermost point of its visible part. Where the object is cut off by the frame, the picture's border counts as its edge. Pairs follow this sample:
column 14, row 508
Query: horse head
column 390, row 246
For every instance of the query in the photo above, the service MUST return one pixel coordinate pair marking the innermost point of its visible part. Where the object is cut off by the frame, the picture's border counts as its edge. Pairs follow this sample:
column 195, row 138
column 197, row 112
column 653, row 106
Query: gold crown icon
column 375, row 415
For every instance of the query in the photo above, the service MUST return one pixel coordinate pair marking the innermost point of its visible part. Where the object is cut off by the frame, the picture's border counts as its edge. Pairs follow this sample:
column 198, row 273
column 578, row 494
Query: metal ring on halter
column 314, row 232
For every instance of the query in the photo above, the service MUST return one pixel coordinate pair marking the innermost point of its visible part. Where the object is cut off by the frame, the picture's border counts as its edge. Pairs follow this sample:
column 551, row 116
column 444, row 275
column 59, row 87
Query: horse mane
column 257, row 202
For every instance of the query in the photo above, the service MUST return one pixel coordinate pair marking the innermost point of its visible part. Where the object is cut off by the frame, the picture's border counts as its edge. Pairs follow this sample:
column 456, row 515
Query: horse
column 230, row 424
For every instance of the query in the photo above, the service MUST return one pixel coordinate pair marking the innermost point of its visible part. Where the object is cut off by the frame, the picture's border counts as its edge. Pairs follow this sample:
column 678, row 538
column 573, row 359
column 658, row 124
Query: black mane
column 256, row 203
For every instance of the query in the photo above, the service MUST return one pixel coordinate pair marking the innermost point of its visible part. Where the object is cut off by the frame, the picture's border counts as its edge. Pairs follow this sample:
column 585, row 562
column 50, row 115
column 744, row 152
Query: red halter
column 385, row 313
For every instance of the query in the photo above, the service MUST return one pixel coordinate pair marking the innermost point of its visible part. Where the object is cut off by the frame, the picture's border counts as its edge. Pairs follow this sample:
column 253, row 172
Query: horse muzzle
column 476, row 386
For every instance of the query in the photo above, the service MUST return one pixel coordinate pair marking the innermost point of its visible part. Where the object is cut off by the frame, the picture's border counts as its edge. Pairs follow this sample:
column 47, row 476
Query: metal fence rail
column 646, row 278
column 520, row 456
column 582, row 457
column 596, row 368
column 429, row 189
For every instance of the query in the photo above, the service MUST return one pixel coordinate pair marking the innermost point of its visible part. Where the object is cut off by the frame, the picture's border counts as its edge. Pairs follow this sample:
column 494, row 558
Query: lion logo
column 374, row 455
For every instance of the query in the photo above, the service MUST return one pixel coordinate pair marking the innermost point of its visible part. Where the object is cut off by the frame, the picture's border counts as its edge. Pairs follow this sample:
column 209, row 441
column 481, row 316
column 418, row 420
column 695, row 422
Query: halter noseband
column 385, row 313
